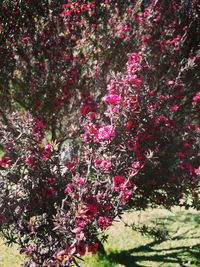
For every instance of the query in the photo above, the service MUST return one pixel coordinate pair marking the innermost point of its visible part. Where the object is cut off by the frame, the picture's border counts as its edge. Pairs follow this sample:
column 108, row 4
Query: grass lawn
column 9, row 256
column 126, row 247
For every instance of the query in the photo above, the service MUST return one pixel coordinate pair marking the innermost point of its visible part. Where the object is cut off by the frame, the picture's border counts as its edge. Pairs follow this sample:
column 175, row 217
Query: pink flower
column 126, row 194
column 85, row 109
column 106, row 132
column 26, row 39
column 189, row 167
column 38, row 130
column 91, row 115
column 106, row 165
column 90, row 210
column 161, row 97
column 103, row 164
column 118, row 182
column 197, row 171
column 121, row 35
column 186, row 165
column 99, row 195
column 136, row 165
column 111, row 85
column 84, row 137
column 170, row 82
column 51, row 179
column 66, row 6
column 80, row 222
column 30, row 160
column 77, row 230
column 27, row 250
column 5, row 161
column 195, row 98
column 46, row 153
column 103, row 222
column 151, row 93
column 69, row 165
column 144, row 39
column 68, row 188
column 174, row 108
column 97, row 163
column 111, row 99
column 48, row 147
column 80, row 181
column 181, row 155
column 129, row 124
column 186, row 144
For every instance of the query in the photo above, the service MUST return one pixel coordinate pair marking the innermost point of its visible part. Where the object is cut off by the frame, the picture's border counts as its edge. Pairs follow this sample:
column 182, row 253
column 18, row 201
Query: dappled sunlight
column 126, row 247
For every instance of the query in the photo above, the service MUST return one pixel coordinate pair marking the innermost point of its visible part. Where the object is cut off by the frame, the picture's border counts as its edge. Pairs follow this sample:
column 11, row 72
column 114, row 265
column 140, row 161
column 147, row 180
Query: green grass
column 127, row 248
column 9, row 256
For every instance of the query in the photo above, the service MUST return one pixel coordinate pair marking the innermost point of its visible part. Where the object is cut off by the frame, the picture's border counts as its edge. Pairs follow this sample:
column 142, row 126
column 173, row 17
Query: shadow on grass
column 183, row 255
column 182, row 216
column 187, row 220
column 171, row 256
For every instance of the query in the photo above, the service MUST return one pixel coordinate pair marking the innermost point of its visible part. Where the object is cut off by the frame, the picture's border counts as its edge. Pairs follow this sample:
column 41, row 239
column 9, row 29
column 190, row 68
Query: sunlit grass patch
column 9, row 256
column 126, row 247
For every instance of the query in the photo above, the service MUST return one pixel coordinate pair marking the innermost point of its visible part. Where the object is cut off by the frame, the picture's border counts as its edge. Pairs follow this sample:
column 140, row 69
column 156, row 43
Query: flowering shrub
column 127, row 73
column 53, row 210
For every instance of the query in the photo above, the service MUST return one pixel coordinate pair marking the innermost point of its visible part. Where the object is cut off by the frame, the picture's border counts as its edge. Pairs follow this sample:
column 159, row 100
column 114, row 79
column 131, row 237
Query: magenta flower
column 136, row 165
column 106, row 132
column 68, row 188
column 103, row 222
column 103, row 164
column 80, row 181
column 89, row 211
column 197, row 171
column 5, row 161
column 111, row 98
column 46, row 151
column 118, row 182
column 174, row 108
column 170, row 82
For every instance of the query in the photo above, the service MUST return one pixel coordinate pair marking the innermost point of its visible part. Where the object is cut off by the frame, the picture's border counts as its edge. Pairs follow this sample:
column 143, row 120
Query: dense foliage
column 100, row 114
